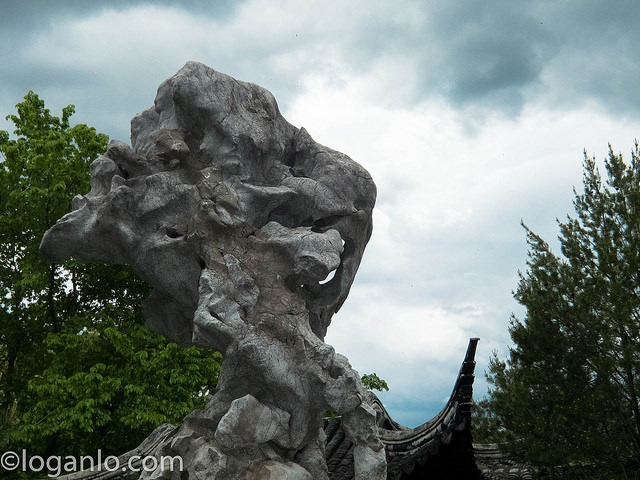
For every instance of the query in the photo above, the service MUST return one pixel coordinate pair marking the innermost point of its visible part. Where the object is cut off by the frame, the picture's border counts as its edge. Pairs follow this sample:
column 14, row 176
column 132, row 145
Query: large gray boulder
column 236, row 219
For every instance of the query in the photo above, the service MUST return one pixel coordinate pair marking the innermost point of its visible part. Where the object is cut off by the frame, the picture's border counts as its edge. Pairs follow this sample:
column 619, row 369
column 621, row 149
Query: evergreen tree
column 78, row 370
column 568, row 392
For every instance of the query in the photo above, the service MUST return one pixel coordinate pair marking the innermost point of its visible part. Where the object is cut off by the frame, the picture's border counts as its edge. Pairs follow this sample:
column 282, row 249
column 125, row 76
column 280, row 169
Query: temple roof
column 440, row 448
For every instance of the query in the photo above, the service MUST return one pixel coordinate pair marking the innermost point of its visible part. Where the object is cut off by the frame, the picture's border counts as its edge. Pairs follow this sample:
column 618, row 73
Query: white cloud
column 104, row 42
column 447, row 243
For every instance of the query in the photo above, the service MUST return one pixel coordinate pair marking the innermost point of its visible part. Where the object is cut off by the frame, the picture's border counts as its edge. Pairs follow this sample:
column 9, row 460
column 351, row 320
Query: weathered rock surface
column 236, row 218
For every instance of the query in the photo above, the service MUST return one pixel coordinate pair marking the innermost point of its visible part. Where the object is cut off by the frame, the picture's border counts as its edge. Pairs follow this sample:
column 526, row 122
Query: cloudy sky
column 469, row 115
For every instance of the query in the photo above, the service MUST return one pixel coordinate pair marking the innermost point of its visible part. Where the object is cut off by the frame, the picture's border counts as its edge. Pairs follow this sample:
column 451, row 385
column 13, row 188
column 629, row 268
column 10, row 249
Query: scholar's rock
column 236, row 218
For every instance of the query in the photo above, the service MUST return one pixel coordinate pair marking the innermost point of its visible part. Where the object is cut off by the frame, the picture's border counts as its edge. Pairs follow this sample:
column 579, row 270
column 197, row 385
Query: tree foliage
column 568, row 392
column 485, row 425
column 78, row 370
column 373, row 382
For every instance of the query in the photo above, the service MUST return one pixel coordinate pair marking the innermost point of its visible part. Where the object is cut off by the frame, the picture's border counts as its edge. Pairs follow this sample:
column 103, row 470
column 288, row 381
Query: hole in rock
column 173, row 233
column 329, row 277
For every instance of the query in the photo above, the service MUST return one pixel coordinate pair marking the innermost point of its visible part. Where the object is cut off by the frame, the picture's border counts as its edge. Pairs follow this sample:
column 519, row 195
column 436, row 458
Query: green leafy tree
column 373, row 382
column 568, row 392
column 78, row 370
column 39, row 170
column 109, row 387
